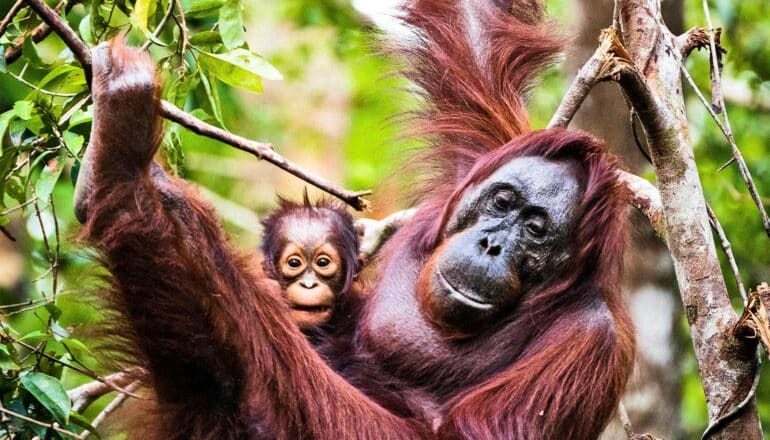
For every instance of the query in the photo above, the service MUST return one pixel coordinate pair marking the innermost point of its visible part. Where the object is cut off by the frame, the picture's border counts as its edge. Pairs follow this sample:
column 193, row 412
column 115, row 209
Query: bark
column 653, row 84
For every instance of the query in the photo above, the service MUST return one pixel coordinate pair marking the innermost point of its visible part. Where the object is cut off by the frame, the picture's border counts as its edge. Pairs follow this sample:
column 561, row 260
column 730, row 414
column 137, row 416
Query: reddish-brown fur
column 225, row 360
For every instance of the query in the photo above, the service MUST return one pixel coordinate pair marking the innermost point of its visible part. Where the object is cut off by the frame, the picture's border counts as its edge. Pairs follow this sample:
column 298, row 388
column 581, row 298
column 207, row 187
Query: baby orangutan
column 312, row 251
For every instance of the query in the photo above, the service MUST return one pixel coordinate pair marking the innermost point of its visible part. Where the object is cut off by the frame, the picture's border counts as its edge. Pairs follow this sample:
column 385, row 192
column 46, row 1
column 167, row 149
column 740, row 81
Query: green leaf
column 84, row 29
column 50, row 393
column 8, row 359
column 113, row 15
column 5, row 120
column 29, row 49
column 206, row 38
column 73, row 141
column 213, row 98
column 81, row 421
column 231, row 24
column 82, row 117
column 240, row 68
column 140, row 14
column 48, row 177
column 65, row 78
column 201, row 8
column 24, row 109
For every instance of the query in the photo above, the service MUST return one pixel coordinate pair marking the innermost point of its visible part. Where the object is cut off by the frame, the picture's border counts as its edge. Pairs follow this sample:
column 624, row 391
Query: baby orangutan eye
column 294, row 262
column 323, row 262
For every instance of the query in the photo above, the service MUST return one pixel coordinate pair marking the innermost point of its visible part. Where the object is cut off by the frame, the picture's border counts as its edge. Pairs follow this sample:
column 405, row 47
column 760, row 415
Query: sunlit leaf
column 48, row 177
column 50, row 393
column 73, row 141
column 231, row 24
column 24, row 109
column 140, row 14
column 240, row 68
column 201, row 8
column 84, row 28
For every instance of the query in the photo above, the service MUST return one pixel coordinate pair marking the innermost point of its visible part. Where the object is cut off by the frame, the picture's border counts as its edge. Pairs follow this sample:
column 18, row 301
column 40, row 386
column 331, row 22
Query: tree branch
column 642, row 194
column 650, row 78
column 38, row 34
column 15, row 8
column 84, row 395
column 169, row 111
column 111, row 407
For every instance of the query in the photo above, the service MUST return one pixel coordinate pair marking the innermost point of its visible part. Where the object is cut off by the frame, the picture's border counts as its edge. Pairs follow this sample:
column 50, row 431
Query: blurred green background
column 334, row 112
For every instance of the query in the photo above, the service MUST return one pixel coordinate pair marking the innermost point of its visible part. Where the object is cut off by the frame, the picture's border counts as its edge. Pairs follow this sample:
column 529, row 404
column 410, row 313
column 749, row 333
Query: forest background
column 333, row 113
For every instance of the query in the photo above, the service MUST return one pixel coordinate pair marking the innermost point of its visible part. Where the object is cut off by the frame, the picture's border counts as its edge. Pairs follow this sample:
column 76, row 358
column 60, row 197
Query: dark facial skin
column 503, row 235
column 310, row 271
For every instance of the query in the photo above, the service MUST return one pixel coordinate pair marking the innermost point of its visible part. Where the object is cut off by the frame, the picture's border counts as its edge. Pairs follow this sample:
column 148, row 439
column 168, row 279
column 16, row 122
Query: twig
column 112, row 406
column 645, row 197
column 82, row 371
column 84, row 395
column 728, row 250
column 15, row 8
column 183, row 37
column 695, row 38
column 259, row 149
column 642, row 194
column 159, row 27
column 7, row 233
column 716, row 91
column 38, row 34
column 54, row 425
column 585, row 79
column 20, row 79
column 625, row 420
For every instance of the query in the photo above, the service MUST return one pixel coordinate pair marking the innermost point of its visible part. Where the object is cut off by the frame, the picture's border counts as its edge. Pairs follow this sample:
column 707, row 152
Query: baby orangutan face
column 312, row 251
column 311, row 272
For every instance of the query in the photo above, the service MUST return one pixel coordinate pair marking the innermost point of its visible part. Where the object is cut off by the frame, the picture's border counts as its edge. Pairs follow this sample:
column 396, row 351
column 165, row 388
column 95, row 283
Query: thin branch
column 20, row 79
column 626, row 421
column 728, row 250
column 184, row 39
column 159, row 27
column 718, row 97
column 38, row 34
column 645, row 197
column 80, row 370
column 695, row 38
column 84, row 395
column 7, row 233
column 111, row 407
column 259, row 149
column 54, row 425
column 585, row 79
column 15, row 8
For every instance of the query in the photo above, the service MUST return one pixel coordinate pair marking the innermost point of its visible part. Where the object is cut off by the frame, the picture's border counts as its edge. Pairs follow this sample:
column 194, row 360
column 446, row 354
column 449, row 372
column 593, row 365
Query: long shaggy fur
column 223, row 356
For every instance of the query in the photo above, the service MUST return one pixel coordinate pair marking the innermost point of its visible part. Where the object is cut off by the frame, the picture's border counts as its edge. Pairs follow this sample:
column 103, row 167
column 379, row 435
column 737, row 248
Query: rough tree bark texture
column 726, row 365
column 654, row 393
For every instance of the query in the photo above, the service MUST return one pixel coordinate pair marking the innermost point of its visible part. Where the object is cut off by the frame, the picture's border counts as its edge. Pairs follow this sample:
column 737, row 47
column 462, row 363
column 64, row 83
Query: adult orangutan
column 496, row 313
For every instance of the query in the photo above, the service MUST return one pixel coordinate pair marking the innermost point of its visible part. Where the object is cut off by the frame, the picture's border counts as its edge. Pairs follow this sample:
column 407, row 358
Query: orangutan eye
column 323, row 262
column 536, row 226
column 294, row 262
column 504, row 200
